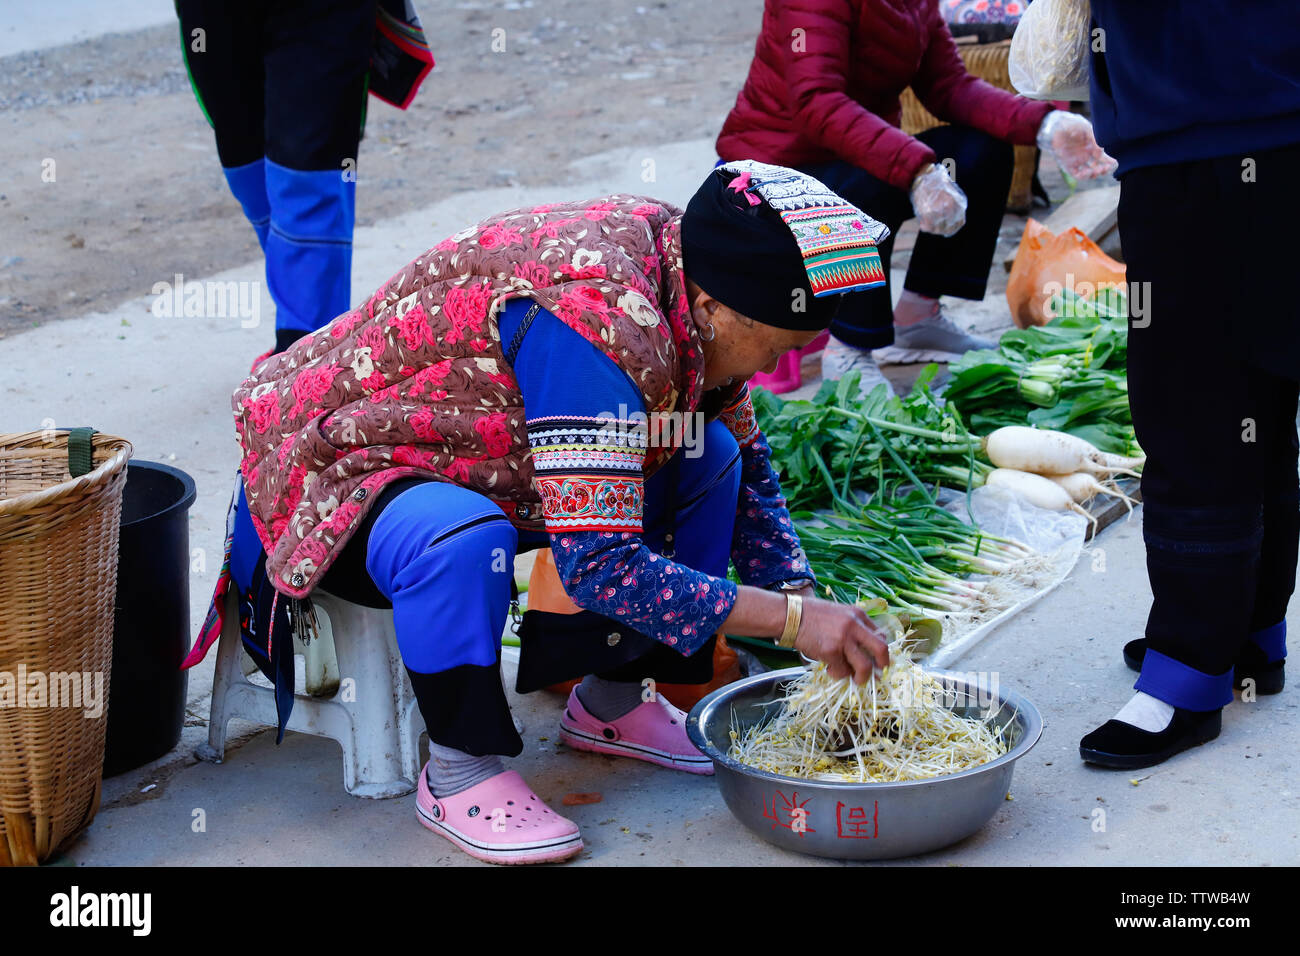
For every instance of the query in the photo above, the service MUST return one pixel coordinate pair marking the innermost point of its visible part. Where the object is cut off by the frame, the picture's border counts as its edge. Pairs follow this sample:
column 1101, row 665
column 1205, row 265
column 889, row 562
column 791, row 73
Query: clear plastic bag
column 1049, row 57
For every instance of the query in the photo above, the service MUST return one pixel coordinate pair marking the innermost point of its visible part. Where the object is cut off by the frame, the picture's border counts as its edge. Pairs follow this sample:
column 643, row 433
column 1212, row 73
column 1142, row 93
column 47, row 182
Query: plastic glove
column 1068, row 137
column 939, row 203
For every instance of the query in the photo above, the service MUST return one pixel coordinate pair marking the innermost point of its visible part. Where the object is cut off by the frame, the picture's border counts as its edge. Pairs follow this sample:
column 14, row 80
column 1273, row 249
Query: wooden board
column 1091, row 211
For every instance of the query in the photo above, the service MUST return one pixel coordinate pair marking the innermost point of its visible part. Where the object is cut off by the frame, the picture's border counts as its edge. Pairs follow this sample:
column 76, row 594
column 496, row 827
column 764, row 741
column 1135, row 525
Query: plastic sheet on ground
column 1058, row 536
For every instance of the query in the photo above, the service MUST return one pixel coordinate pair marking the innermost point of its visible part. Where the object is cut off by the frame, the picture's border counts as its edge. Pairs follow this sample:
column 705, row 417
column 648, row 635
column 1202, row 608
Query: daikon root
column 1046, row 452
column 1083, row 487
column 1037, row 490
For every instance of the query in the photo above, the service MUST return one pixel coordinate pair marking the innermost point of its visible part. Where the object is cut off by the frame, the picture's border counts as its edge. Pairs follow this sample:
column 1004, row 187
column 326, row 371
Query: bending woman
column 523, row 384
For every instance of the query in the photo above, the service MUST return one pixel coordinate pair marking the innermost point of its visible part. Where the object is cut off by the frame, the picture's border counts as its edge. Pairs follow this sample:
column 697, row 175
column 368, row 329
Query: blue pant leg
column 444, row 556
column 309, row 245
column 248, row 184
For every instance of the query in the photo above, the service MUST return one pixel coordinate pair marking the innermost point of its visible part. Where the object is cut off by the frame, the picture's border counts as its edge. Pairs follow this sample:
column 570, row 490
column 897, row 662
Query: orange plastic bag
column 1047, row 263
column 546, row 593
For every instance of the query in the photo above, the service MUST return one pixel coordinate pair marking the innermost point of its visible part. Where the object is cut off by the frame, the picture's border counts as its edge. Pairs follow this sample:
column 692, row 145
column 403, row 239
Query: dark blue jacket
column 1194, row 79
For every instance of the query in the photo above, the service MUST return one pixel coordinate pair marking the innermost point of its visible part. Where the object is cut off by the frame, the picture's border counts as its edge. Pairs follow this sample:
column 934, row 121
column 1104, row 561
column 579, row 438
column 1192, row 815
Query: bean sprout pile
column 894, row 727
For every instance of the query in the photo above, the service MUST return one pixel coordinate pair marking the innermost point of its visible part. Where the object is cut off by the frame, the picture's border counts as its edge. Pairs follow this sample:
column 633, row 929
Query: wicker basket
column 58, row 579
column 988, row 61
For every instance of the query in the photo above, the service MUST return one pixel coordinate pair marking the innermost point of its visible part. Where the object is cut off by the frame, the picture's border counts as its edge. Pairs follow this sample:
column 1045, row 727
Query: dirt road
column 109, row 179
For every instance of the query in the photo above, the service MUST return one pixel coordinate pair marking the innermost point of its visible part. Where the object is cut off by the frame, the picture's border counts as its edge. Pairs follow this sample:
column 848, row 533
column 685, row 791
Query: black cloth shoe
column 1121, row 746
column 1269, row 676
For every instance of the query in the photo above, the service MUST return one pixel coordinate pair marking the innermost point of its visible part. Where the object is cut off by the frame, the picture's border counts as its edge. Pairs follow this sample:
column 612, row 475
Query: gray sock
column 451, row 771
column 609, row 699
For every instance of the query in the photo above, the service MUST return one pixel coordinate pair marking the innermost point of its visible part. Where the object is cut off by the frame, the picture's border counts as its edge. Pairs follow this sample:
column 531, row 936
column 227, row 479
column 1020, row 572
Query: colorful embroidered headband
column 777, row 246
column 837, row 239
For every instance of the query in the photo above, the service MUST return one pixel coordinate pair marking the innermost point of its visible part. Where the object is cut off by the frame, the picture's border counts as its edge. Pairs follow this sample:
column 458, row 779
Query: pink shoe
column 654, row 731
column 499, row 821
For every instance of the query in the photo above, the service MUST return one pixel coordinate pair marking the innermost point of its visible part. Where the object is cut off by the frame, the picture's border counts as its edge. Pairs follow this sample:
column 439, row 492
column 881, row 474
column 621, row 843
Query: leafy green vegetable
column 1069, row 375
column 840, row 442
column 903, row 549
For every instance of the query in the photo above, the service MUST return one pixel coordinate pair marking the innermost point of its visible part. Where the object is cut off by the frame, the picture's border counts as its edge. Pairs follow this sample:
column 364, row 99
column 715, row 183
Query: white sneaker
column 840, row 358
column 933, row 339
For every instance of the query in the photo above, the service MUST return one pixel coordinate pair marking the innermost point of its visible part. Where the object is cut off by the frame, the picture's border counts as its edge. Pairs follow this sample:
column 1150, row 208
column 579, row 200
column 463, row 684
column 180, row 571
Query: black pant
column 284, row 79
column 958, row 265
column 1213, row 365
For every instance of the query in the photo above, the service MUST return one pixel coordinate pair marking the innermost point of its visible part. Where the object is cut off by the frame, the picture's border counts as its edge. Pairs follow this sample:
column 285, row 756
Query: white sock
column 1146, row 713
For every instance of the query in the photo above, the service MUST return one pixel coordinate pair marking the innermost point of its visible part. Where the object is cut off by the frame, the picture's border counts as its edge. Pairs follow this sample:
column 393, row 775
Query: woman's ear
column 704, row 308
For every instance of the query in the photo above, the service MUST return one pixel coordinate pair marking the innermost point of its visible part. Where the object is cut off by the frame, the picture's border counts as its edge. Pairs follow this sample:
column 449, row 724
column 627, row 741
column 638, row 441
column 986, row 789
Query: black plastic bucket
column 151, row 620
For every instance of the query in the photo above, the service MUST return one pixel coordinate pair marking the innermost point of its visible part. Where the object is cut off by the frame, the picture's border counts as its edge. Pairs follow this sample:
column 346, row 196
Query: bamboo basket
column 58, row 581
column 988, row 61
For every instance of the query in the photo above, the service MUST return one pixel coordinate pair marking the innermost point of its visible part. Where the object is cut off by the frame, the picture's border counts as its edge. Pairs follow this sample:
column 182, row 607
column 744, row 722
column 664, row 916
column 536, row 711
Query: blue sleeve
column 588, row 463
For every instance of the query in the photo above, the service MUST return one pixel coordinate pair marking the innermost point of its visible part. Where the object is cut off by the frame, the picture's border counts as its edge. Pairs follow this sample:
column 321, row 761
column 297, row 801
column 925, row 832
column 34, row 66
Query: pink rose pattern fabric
column 414, row 381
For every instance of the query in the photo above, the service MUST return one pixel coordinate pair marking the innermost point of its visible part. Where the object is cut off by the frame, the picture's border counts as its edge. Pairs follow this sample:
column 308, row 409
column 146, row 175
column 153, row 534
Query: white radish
column 1037, row 490
column 1046, row 452
column 1083, row 487
column 1121, row 463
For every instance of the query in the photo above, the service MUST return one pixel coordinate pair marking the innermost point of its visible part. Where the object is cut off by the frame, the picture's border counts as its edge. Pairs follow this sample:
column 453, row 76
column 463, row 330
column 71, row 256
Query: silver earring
column 712, row 334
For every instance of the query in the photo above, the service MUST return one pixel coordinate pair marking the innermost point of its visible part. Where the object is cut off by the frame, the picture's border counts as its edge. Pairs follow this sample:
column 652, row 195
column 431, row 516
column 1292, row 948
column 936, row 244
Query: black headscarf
column 737, row 248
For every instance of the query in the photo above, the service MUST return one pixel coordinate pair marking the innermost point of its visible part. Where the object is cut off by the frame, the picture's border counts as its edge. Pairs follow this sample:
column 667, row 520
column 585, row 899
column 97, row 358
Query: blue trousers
column 444, row 557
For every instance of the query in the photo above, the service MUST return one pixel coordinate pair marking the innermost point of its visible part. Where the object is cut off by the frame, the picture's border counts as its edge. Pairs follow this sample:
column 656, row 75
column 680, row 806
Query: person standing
column 283, row 84
column 822, row 96
column 1206, row 153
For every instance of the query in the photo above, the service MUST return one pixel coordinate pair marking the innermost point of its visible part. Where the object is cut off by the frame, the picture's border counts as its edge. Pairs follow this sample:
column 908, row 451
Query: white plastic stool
column 372, row 712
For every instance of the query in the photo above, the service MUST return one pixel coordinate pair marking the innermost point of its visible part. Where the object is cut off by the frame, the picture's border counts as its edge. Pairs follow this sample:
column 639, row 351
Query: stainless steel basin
column 861, row 821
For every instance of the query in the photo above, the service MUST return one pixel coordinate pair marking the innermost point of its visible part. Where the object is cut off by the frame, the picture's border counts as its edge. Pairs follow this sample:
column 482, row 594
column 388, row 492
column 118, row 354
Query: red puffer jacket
column 826, row 78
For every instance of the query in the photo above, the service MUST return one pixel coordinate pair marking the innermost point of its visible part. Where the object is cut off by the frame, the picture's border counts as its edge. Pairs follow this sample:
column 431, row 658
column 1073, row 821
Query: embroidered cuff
column 740, row 419
column 588, row 472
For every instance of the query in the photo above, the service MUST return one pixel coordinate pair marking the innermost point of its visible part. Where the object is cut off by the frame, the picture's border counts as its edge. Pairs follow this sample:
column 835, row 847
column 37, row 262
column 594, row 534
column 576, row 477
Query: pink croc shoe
column 499, row 821
column 654, row 731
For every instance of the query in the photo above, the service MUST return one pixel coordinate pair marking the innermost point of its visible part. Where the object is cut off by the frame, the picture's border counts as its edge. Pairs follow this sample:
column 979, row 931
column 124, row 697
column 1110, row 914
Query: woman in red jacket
column 822, row 96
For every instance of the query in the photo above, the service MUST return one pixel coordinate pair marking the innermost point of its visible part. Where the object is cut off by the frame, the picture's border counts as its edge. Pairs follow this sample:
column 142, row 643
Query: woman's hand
column 839, row 634
column 844, row 637
column 1069, row 138
column 939, row 203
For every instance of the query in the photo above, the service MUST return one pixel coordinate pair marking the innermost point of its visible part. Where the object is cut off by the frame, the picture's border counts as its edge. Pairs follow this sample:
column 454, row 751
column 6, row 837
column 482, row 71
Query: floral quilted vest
column 415, row 380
